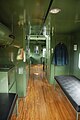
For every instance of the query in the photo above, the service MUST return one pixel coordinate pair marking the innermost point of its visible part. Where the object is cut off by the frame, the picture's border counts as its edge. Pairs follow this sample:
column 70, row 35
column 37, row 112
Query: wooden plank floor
column 42, row 101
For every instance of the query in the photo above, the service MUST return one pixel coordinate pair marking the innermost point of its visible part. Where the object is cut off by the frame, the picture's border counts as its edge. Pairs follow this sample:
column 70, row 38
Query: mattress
column 71, row 87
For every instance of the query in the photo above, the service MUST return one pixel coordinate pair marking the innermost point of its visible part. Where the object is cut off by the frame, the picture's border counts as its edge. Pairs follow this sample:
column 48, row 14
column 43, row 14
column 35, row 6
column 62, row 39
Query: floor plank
column 43, row 102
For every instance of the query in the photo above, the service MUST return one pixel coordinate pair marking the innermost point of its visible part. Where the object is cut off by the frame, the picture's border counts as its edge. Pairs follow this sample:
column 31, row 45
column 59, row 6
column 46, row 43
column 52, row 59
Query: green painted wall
column 21, row 78
column 75, row 55
column 60, row 70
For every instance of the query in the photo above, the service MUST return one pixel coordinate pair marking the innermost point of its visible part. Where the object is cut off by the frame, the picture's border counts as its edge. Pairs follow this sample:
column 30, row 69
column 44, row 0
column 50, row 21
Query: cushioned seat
column 71, row 87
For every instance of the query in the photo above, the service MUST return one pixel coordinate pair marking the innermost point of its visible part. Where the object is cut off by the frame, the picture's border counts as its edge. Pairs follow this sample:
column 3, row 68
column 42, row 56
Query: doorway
column 39, row 54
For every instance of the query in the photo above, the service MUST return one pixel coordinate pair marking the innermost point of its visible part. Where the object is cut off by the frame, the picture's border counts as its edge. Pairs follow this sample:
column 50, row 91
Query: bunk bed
column 71, row 88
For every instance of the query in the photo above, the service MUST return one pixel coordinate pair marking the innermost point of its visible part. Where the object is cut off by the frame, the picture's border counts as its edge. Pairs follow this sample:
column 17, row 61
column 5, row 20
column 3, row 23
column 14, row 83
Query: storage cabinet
column 13, row 88
column 7, row 81
column 3, row 82
column 12, row 80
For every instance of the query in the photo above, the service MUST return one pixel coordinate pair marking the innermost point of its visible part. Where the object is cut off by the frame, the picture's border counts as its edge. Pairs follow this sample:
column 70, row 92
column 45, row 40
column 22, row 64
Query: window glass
column 79, row 61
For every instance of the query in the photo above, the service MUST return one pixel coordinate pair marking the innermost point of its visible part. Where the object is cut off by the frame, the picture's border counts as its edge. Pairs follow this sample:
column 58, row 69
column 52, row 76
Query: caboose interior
column 31, row 28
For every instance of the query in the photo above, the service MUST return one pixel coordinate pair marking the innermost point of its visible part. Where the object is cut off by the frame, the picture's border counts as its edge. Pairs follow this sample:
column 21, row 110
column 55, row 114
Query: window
column 44, row 52
column 79, row 61
column 36, row 49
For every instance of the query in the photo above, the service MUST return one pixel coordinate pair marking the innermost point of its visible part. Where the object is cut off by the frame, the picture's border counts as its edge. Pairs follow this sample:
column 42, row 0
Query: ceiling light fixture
column 55, row 10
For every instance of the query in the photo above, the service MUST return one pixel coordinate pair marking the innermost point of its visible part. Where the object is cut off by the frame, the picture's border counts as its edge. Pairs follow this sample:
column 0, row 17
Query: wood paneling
column 43, row 102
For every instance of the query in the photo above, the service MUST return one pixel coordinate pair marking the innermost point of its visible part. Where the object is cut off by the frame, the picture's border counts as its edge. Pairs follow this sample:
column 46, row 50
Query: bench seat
column 71, row 87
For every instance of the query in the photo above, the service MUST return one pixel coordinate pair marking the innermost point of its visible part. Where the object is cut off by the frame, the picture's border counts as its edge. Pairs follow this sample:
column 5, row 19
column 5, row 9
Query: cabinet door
column 3, row 82
column 11, row 77
column 13, row 88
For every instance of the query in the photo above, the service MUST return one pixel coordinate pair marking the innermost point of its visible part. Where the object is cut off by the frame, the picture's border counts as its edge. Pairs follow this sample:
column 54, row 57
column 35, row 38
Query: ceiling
column 68, row 19
column 35, row 13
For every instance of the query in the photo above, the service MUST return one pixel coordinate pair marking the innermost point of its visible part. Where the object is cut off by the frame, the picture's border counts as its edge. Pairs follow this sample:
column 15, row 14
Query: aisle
column 42, row 101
